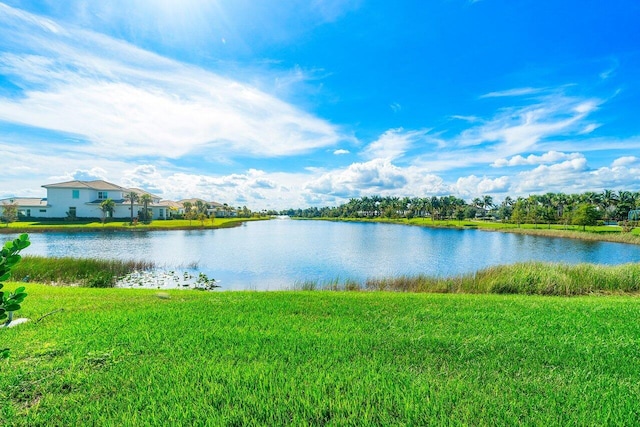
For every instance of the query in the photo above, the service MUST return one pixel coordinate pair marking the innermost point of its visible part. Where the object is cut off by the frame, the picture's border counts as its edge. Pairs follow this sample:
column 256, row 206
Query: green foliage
column 107, row 207
column 586, row 214
column 10, row 301
column 9, row 212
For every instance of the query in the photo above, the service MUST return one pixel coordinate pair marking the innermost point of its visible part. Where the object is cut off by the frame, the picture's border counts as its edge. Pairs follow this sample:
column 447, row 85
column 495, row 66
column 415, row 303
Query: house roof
column 93, row 185
column 169, row 204
column 25, row 201
column 193, row 202
column 141, row 192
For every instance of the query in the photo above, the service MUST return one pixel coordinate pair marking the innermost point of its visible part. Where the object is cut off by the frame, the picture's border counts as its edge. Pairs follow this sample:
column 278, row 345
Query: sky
column 276, row 104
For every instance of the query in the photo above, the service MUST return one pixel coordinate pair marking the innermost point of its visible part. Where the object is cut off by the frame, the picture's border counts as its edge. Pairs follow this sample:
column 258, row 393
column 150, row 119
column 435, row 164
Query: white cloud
column 473, row 186
column 567, row 175
column 129, row 102
column 375, row 175
column 395, row 107
column 625, row 161
column 513, row 92
column 532, row 159
column 393, row 144
column 341, row 151
column 589, row 128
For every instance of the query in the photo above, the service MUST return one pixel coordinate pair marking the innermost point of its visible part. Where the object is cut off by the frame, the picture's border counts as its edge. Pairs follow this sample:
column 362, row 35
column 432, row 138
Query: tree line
column 551, row 208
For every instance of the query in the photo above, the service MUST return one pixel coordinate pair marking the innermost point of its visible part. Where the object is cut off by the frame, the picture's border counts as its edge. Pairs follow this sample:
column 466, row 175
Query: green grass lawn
column 133, row 357
column 35, row 226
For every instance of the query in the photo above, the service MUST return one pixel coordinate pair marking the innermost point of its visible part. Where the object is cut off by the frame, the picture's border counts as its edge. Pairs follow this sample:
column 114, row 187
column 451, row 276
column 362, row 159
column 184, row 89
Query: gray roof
column 25, row 201
column 93, row 185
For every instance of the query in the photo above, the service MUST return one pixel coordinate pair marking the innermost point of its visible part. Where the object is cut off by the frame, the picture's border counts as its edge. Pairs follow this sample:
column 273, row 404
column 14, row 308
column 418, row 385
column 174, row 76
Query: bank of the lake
column 591, row 233
column 134, row 357
column 115, row 225
column 532, row 278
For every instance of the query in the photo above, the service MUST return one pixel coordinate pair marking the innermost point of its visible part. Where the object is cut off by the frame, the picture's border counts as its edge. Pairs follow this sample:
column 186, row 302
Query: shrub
column 10, row 301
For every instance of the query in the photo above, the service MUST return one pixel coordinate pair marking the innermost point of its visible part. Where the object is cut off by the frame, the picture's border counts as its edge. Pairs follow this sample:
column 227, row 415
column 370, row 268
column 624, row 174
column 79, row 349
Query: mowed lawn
column 126, row 357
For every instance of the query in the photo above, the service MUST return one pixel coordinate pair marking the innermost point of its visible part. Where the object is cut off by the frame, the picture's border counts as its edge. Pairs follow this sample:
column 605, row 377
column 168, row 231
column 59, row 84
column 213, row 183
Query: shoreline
column 70, row 228
column 613, row 236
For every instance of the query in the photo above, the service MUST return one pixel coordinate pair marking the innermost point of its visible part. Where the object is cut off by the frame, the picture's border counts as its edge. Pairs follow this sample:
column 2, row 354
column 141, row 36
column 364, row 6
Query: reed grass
column 90, row 272
column 531, row 278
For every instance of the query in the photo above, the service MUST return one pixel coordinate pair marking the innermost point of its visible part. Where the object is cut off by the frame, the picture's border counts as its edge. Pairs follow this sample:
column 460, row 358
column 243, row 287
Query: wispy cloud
column 513, row 92
column 393, row 144
column 129, row 102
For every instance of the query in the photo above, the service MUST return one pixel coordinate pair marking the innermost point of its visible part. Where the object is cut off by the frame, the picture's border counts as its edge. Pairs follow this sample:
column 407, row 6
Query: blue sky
column 275, row 104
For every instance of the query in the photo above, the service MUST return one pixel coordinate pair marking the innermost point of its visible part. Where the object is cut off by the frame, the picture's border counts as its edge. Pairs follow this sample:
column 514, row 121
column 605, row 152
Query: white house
column 27, row 206
column 82, row 199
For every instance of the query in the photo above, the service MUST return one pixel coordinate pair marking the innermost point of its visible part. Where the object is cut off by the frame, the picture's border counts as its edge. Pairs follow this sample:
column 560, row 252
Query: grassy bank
column 530, row 278
column 172, row 224
column 594, row 233
column 127, row 357
column 97, row 273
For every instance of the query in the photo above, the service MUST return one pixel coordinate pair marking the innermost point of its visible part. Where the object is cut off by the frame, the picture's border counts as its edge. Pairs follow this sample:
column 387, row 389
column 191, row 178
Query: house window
column 43, row 211
column 102, row 195
column 28, row 212
column 72, row 212
column 161, row 213
column 75, row 194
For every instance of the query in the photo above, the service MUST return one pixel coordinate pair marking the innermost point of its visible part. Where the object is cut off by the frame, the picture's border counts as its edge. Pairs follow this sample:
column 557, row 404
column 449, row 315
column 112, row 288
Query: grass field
column 134, row 357
column 176, row 224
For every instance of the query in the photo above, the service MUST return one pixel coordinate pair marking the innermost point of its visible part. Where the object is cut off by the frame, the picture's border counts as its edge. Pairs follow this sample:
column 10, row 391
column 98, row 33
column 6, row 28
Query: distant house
column 82, row 199
column 28, row 207
column 213, row 208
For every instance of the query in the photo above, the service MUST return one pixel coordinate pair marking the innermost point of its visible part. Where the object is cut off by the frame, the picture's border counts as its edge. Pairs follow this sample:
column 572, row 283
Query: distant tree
column 586, row 214
column 132, row 197
column 9, row 212
column 146, row 200
column 202, row 217
column 519, row 213
column 201, row 207
column 189, row 212
column 107, row 207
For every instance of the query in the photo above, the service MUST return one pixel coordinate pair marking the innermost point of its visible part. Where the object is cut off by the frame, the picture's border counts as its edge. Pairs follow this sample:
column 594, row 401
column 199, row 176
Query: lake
column 278, row 254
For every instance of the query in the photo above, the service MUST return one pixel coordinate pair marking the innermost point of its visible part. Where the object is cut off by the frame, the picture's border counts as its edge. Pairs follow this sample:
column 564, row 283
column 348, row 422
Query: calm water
column 280, row 253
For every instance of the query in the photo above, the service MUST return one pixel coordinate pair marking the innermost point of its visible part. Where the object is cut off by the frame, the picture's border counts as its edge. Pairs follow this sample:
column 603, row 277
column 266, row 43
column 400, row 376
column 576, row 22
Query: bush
column 10, row 301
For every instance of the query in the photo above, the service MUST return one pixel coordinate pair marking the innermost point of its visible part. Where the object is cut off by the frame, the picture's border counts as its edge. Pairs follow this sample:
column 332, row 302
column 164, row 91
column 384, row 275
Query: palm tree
column 201, row 207
column 107, row 207
column 132, row 197
column 145, row 199
column 487, row 202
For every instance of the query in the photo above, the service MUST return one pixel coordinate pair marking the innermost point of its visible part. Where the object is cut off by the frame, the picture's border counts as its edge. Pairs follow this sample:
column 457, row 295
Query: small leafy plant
column 10, row 301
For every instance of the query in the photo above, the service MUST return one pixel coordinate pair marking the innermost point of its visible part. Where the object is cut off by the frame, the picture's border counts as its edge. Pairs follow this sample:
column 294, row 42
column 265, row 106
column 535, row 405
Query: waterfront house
column 82, row 199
